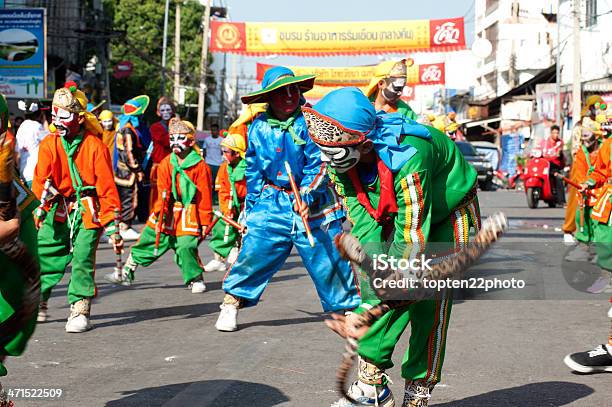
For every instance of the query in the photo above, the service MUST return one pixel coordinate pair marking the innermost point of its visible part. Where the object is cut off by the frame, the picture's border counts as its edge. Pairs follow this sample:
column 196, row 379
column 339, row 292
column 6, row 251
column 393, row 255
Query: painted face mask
column 230, row 155
column 588, row 139
column 394, row 88
column 66, row 123
column 108, row 124
column 166, row 112
column 285, row 100
column 179, row 143
column 340, row 159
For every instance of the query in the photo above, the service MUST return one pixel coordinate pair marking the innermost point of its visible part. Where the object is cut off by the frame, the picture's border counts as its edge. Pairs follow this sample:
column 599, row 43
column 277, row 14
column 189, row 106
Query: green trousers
column 217, row 242
column 603, row 245
column 55, row 256
column 586, row 232
column 185, row 248
column 12, row 289
column 429, row 319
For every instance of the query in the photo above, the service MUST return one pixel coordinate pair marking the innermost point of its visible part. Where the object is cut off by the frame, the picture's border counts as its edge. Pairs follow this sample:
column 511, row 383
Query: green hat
column 4, row 115
column 276, row 78
column 135, row 106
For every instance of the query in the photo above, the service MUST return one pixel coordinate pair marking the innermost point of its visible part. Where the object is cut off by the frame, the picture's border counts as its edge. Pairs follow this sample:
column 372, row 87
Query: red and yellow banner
column 318, row 92
column 338, row 38
column 360, row 76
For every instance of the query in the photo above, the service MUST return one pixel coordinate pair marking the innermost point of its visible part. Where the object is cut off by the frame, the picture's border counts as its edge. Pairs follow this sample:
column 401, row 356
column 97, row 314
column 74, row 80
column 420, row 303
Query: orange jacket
column 581, row 169
column 603, row 167
column 222, row 185
column 93, row 163
column 181, row 221
column 602, row 179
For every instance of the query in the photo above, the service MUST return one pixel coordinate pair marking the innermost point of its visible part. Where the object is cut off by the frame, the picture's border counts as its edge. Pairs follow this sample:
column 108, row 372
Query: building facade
column 523, row 38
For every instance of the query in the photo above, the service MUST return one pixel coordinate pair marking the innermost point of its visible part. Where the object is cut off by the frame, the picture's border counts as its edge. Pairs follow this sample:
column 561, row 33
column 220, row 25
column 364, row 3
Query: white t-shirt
column 28, row 137
column 213, row 150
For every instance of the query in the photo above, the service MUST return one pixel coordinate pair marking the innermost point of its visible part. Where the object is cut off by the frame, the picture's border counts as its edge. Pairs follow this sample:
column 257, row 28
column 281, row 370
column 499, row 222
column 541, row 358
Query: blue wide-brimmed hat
column 276, row 78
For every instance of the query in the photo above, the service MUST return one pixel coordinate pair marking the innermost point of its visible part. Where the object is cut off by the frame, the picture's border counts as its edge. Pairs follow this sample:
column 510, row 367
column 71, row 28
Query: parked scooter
column 537, row 180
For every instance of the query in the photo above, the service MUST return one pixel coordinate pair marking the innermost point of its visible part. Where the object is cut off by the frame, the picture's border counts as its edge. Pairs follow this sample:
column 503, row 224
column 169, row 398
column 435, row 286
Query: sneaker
column 228, row 318
column 417, row 393
column 129, row 235
column 78, row 321
column 104, row 239
column 600, row 285
column 596, row 360
column 232, row 256
column 197, row 287
column 215, row 265
column 568, row 238
column 43, row 312
column 119, row 277
column 578, row 253
column 367, row 395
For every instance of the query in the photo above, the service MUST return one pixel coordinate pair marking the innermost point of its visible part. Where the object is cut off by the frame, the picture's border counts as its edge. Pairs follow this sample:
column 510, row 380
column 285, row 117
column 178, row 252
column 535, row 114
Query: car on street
column 480, row 162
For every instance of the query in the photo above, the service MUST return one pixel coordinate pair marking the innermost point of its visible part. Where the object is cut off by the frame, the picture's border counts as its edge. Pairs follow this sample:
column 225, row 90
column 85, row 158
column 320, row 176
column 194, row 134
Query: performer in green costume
column 19, row 278
column 404, row 185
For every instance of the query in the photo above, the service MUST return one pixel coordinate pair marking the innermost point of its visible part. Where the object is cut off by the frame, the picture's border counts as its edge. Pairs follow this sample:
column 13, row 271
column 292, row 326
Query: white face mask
column 394, row 89
column 108, row 124
column 341, row 159
column 166, row 112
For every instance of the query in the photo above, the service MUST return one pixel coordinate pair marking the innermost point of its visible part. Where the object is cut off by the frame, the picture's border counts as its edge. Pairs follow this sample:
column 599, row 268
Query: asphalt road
column 155, row 344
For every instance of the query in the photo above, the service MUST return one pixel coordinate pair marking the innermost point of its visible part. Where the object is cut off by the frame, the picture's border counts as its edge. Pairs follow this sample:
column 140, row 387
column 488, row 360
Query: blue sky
column 343, row 10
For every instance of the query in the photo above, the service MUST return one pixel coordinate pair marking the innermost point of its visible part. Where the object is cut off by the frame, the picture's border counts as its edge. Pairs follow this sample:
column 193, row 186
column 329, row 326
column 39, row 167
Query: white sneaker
column 215, row 265
column 579, row 253
column 78, row 321
column 43, row 312
column 568, row 238
column 197, row 287
column 129, row 235
column 232, row 256
column 119, row 277
column 228, row 318
column 367, row 395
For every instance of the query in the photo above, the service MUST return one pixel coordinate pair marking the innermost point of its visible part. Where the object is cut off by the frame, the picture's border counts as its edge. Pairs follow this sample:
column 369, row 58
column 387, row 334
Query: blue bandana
column 352, row 109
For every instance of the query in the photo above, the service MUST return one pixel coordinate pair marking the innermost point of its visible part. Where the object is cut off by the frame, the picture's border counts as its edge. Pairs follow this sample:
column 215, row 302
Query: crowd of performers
column 292, row 174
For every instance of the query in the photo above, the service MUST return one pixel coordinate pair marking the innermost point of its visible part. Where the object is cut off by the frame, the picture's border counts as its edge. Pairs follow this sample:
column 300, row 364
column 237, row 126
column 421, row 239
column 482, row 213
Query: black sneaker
column 596, row 360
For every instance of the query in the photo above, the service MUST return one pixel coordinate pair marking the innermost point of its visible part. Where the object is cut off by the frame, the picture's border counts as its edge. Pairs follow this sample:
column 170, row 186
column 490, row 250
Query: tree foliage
column 143, row 23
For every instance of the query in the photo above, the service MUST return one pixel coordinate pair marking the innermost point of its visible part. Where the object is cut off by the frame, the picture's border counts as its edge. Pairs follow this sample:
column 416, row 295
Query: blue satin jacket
column 268, row 149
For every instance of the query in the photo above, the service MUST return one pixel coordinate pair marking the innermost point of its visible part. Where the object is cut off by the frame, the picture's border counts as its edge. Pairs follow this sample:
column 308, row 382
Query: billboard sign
column 23, row 53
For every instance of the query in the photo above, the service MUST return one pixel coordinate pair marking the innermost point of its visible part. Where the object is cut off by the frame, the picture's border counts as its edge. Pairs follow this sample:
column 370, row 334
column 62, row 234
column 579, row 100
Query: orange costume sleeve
column 603, row 168
column 222, row 185
column 201, row 175
column 94, row 166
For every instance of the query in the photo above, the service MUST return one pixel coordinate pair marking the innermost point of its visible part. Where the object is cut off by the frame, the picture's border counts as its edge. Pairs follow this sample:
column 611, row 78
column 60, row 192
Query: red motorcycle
column 538, row 187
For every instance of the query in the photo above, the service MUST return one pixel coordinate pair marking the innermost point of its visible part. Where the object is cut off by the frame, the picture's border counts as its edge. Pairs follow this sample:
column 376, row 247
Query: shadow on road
column 551, row 394
column 208, row 393
column 130, row 317
column 283, row 322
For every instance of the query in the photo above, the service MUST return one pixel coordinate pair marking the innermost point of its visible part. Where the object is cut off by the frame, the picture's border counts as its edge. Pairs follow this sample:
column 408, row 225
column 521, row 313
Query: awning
column 482, row 122
column 598, row 85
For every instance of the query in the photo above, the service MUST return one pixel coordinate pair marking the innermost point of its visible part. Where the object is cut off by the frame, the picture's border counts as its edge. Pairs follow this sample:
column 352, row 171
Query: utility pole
column 177, row 52
column 165, row 44
column 576, row 87
column 222, row 107
column 558, row 119
column 203, row 68
column 512, row 68
column 102, row 52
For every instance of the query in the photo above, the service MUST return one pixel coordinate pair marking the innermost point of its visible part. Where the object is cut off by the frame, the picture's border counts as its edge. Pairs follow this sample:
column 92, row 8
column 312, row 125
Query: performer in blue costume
column 273, row 219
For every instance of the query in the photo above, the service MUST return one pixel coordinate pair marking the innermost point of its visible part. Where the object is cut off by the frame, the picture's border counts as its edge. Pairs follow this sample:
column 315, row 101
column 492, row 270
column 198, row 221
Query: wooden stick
column 298, row 200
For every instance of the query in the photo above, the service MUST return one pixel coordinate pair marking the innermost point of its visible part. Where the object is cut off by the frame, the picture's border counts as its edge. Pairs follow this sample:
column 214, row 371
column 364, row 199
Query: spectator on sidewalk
column 29, row 135
column 212, row 154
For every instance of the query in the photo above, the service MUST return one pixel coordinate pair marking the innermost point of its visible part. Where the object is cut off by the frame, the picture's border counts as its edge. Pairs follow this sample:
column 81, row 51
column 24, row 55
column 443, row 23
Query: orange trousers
column 569, row 226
